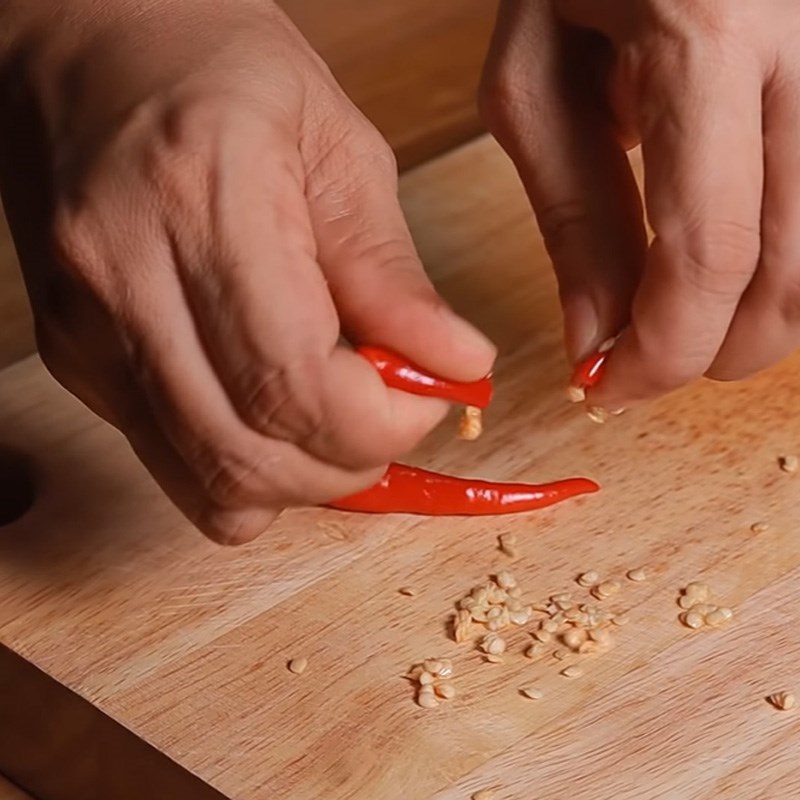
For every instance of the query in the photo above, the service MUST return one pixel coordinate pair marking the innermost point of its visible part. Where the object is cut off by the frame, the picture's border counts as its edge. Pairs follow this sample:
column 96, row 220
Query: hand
column 712, row 91
column 200, row 214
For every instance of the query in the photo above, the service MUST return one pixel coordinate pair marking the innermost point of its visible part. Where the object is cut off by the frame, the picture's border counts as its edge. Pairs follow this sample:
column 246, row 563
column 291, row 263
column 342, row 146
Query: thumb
column 375, row 276
column 541, row 100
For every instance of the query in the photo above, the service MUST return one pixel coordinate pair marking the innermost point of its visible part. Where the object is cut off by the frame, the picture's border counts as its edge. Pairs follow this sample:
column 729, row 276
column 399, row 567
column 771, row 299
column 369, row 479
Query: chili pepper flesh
column 411, row 490
column 588, row 373
column 398, row 373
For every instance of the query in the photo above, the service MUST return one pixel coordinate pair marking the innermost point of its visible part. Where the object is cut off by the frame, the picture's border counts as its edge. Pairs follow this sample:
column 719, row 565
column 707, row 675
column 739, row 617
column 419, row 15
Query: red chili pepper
column 588, row 373
column 411, row 490
column 399, row 373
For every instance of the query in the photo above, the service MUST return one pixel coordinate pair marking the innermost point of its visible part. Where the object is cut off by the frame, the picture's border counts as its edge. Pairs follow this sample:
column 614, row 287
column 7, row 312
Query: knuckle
column 559, row 221
column 74, row 244
column 285, row 402
column 717, row 258
column 230, row 480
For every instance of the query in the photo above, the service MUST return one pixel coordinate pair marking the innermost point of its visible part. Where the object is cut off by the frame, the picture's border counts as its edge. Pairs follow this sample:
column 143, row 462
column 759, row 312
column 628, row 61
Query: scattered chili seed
column 427, row 699
column 699, row 591
column 686, row 601
column 597, row 414
column 783, row 701
column 576, row 394
column 759, row 527
column 589, row 578
column 533, row 650
column 605, row 589
column 542, row 636
column 718, row 616
column 426, row 678
column 445, row 690
column 494, row 659
column 493, row 644
column 483, row 794
column 574, row 638
column 638, row 574
column 572, row 671
column 620, row 619
column 560, row 655
column 691, row 619
column 532, row 693
column 789, row 464
column 408, row 591
column 550, row 625
column 505, row 580
column 298, row 665
column 507, row 543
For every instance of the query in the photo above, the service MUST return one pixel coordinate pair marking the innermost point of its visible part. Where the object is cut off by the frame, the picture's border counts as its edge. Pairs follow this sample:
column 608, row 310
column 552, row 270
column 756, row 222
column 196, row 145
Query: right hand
column 200, row 213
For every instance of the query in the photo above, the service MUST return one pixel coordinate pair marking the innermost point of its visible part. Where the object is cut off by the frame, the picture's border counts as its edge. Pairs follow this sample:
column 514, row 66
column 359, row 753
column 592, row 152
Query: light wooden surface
column 104, row 588
column 411, row 66
column 10, row 792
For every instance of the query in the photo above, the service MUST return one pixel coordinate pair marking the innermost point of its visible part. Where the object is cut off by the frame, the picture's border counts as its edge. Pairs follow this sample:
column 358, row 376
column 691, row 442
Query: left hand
column 712, row 91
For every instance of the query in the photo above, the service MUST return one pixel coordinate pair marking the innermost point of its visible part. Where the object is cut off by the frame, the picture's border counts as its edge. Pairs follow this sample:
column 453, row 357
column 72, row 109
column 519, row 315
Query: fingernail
column 581, row 327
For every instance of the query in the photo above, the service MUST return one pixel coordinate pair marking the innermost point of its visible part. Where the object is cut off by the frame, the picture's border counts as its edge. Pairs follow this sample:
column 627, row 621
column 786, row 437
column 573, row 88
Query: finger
column 270, row 327
column 116, row 398
column 766, row 327
column 701, row 127
column 542, row 105
column 375, row 276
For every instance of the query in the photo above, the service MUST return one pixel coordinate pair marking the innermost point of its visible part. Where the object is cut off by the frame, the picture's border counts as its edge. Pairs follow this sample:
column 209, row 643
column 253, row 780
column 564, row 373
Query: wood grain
column 412, row 67
column 104, row 588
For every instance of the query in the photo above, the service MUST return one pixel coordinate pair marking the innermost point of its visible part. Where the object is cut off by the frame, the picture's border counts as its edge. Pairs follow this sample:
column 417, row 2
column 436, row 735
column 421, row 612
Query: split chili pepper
column 399, row 373
column 411, row 490
column 588, row 372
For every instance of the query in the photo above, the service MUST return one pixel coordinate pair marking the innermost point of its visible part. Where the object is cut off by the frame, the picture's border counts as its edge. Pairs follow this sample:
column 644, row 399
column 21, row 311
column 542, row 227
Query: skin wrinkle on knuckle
column 285, row 401
column 715, row 258
column 559, row 221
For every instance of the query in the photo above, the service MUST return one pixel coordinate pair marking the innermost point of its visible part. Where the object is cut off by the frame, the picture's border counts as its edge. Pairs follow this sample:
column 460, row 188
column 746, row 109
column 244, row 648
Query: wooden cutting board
column 132, row 642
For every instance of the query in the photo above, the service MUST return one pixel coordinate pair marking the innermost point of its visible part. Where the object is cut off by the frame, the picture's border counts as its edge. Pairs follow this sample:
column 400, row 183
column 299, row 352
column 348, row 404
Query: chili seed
column 620, row 619
column 597, row 414
column 532, row 693
column 550, row 625
column 783, row 701
column 691, row 619
column 718, row 616
column 483, row 794
column 408, row 591
column 699, row 591
column 493, row 644
column 638, row 574
column 759, row 527
column 572, row 671
column 515, row 592
column 470, row 426
column 560, row 655
column 427, row 699
column 432, row 665
column 605, row 589
column 589, row 578
column 445, row 690
column 533, row 650
column 520, row 617
column 601, row 636
column 426, row 678
column 789, row 464
column 576, row 394
column 494, row 659
column 561, row 597
column 588, row 647
column 298, row 665
column 505, row 580
column 542, row 635
column 574, row 638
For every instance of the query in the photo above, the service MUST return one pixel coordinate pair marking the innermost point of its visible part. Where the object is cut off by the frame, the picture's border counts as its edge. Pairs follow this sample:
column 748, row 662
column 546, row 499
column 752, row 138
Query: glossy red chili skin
column 399, row 373
column 588, row 373
column 411, row 490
